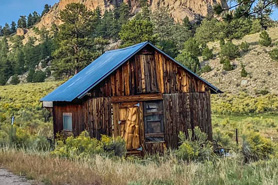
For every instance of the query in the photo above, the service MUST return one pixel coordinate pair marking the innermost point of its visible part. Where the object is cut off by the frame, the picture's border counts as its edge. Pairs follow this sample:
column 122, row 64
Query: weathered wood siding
column 94, row 115
column 77, row 118
column 185, row 111
column 97, row 114
column 148, row 72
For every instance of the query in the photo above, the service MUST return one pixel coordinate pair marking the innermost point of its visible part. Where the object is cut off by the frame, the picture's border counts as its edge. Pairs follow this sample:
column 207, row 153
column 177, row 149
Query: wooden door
column 127, row 124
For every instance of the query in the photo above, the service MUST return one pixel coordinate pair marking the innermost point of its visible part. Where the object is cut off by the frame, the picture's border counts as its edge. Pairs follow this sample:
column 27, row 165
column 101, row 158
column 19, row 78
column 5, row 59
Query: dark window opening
column 153, row 119
column 67, row 122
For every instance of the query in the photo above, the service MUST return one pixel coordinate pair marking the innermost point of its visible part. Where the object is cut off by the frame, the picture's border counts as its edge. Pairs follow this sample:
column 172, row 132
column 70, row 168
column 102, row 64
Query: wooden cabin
column 139, row 93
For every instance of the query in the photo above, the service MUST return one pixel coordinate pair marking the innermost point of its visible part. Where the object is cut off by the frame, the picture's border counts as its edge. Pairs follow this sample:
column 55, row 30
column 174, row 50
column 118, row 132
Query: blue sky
column 10, row 10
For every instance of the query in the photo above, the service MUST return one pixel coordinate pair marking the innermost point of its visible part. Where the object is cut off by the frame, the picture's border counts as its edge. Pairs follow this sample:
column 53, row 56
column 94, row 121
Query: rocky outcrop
column 179, row 9
column 21, row 31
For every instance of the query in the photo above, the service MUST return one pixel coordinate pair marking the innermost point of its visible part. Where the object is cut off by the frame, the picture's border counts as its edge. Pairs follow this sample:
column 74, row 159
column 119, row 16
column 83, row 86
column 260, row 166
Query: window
column 67, row 122
column 153, row 118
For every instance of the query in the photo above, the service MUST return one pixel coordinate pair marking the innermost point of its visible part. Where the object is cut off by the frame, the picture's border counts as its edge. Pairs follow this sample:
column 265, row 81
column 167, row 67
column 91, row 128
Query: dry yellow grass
column 99, row 170
column 48, row 170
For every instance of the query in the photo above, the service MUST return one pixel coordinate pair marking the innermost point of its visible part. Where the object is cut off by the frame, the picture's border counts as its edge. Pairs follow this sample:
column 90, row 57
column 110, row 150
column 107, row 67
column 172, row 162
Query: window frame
column 67, row 114
column 157, row 136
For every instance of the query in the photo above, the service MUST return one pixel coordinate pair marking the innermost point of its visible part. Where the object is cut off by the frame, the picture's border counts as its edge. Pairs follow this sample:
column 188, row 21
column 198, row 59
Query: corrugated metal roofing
column 89, row 77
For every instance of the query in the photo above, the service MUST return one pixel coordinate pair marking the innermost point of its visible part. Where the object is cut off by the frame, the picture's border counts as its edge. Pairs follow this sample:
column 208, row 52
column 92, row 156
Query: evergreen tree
column 243, row 72
column 39, row 76
column 227, row 65
column 30, row 75
column 29, row 54
column 22, row 22
column 13, row 27
column 16, row 42
column 46, row 9
column 4, row 49
column 6, row 30
column 274, row 54
column 230, row 50
column 20, row 62
column 75, row 48
column 15, row 80
column 207, row 53
column 36, row 17
column 192, row 47
column 265, row 39
column 1, row 31
column 190, row 61
column 30, row 21
column 136, row 31
column 170, row 35
column 100, row 44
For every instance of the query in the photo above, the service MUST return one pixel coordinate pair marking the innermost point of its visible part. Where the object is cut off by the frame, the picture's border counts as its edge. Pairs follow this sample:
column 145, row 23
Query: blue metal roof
column 98, row 70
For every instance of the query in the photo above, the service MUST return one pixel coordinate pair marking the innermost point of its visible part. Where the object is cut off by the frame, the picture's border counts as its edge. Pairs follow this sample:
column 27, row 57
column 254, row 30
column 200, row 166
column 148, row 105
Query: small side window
column 67, row 122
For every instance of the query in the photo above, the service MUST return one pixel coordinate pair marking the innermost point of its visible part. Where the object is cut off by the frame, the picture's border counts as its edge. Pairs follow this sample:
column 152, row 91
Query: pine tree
column 13, row 27
column 75, row 48
column 1, row 31
column 46, row 9
column 192, row 47
column 243, row 72
column 20, row 62
column 136, row 31
column 265, row 39
column 6, row 30
column 30, row 21
column 22, row 22
column 15, row 80
column 190, row 61
column 207, row 53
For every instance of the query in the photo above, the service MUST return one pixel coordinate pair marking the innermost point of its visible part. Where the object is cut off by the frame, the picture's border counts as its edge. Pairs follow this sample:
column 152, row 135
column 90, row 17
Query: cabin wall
column 94, row 115
column 77, row 117
column 98, row 116
column 185, row 111
column 148, row 72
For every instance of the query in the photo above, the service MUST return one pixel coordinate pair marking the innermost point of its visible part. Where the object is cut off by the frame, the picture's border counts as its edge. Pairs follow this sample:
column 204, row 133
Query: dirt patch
column 9, row 178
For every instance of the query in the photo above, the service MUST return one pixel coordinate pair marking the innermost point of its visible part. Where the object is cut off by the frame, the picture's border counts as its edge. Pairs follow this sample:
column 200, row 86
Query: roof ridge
column 120, row 49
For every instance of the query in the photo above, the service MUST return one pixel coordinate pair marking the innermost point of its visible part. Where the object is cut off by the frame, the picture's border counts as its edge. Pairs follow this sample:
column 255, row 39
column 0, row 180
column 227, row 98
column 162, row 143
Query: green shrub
column 243, row 72
column 15, row 80
column 230, row 50
column 274, row 54
column 244, row 46
column 206, row 69
column 256, row 26
column 192, row 47
column 207, row 53
column 40, row 143
column 48, row 72
column 195, row 147
column 227, row 65
column 39, row 76
column 256, row 147
column 221, row 42
column 265, row 39
column 262, row 92
column 83, row 147
column 30, row 75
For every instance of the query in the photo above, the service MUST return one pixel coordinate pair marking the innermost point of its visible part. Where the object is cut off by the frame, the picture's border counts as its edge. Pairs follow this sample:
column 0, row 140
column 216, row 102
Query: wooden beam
column 136, row 98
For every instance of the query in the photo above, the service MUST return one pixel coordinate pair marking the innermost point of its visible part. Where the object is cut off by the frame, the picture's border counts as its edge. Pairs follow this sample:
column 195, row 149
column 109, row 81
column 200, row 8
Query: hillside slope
column 179, row 9
column 262, row 71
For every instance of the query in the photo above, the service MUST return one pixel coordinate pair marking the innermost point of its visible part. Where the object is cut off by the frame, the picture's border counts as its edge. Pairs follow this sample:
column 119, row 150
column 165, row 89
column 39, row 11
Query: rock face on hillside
column 179, row 9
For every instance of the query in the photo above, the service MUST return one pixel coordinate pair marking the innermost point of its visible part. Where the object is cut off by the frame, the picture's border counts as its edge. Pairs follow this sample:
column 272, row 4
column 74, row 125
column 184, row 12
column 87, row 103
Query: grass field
column 22, row 101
